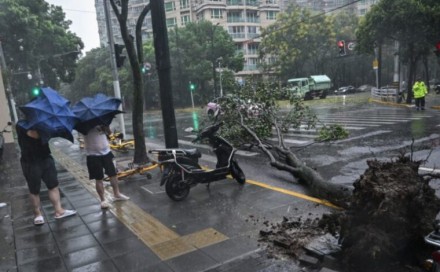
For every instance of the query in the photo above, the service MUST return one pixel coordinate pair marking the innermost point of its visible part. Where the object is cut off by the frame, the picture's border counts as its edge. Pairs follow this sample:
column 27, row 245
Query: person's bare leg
column 115, row 186
column 100, row 189
column 54, row 196
column 35, row 201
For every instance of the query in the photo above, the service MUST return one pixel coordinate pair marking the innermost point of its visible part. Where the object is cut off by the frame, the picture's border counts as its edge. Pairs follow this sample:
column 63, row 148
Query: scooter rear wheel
column 237, row 173
column 176, row 188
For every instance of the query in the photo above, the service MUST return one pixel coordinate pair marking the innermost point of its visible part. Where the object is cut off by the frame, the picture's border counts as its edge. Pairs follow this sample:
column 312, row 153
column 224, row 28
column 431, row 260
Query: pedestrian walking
column 420, row 91
column 100, row 159
column 37, row 165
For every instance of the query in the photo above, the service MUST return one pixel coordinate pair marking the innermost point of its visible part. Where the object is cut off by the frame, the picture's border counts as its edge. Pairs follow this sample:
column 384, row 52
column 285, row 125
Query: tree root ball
column 392, row 208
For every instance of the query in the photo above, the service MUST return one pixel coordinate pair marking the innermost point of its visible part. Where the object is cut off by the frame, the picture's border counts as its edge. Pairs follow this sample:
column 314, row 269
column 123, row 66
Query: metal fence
column 385, row 94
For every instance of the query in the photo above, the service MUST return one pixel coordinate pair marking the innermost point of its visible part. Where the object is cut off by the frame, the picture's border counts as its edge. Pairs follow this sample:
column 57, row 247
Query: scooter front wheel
column 176, row 188
column 237, row 173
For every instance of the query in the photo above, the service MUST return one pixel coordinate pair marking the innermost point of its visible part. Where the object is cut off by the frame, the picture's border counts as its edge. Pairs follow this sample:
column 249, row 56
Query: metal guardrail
column 385, row 94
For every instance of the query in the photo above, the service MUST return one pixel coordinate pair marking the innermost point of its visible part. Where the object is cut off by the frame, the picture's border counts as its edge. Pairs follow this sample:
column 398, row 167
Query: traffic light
column 341, row 46
column 119, row 58
column 35, row 91
column 437, row 49
column 192, row 86
column 146, row 67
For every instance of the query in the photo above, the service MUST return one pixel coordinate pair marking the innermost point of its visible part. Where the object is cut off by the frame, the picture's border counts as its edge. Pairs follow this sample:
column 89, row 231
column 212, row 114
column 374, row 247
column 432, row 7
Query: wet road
column 377, row 131
column 215, row 228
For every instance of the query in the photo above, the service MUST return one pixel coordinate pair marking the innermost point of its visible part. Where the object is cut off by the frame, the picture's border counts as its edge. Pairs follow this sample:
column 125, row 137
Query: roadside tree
column 414, row 24
column 35, row 37
column 135, row 57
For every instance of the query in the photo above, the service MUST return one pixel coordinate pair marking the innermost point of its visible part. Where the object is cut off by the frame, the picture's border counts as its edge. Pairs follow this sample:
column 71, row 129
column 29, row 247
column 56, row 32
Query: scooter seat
column 193, row 153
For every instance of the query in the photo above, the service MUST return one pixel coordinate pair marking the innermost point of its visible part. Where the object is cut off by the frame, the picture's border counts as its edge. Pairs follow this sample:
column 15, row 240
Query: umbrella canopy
column 50, row 115
column 94, row 111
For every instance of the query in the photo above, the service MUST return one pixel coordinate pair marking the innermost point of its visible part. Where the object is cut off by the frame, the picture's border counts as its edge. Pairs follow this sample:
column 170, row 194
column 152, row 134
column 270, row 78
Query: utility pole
column 162, row 53
column 116, row 87
column 8, row 90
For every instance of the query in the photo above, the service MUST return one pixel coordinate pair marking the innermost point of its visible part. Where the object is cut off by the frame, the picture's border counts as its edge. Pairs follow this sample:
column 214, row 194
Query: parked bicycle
column 133, row 169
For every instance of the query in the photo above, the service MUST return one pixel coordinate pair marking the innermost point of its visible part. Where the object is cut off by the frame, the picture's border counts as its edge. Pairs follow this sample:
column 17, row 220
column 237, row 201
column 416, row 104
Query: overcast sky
column 83, row 16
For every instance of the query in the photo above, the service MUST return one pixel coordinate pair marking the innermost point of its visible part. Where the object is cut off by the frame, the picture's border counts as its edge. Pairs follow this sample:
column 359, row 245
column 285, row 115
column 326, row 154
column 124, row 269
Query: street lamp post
column 220, row 70
column 213, row 59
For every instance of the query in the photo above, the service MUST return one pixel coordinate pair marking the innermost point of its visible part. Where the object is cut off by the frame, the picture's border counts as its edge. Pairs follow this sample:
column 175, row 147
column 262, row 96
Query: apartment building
column 242, row 19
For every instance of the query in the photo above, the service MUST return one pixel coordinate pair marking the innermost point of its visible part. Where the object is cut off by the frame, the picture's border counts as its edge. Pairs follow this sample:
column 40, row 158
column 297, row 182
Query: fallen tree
column 385, row 216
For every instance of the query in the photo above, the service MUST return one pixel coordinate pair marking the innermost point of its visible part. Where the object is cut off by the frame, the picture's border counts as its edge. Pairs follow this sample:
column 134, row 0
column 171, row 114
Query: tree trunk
column 140, row 151
column 287, row 161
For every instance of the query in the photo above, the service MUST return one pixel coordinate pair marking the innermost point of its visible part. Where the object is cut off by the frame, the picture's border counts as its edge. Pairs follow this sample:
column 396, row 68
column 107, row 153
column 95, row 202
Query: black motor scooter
column 181, row 170
column 2, row 139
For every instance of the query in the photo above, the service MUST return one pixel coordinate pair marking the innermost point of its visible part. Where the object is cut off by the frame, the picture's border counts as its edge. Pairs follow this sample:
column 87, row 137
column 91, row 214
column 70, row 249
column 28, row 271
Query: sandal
column 39, row 220
column 65, row 214
column 104, row 205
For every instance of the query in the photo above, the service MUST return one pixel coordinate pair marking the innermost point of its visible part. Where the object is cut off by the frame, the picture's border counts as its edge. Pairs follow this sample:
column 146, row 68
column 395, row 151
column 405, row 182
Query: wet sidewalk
column 136, row 235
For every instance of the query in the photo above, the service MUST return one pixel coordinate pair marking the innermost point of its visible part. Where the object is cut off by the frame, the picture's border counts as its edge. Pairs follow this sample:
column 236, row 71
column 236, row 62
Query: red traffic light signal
column 437, row 49
column 341, row 46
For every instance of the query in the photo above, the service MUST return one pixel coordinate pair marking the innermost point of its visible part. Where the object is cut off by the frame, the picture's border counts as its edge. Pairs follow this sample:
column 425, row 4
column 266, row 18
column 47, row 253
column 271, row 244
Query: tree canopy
column 35, row 37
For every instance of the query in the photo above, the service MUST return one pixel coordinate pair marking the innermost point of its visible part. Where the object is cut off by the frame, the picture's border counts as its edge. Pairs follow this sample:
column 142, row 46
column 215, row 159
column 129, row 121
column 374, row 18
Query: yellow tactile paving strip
column 164, row 242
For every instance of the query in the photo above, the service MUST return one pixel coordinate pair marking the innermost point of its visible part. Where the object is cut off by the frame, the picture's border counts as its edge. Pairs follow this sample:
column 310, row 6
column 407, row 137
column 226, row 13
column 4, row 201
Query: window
column 171, row 22
column 185, row 19
column 216, row 13
column 252, row 48
column 169, row 6
column 252, row 31
column 236, row 32
column 184, row 4
column 271, row 15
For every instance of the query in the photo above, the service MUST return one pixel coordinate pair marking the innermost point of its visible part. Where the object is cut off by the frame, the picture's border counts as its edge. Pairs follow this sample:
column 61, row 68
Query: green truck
column 309, row 87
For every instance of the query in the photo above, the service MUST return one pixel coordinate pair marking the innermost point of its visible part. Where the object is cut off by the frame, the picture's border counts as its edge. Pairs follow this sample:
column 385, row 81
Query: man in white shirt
column 100, row 159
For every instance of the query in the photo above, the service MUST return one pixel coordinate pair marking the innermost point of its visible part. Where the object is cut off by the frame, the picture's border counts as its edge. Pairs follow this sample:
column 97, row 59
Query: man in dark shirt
column 37, row 164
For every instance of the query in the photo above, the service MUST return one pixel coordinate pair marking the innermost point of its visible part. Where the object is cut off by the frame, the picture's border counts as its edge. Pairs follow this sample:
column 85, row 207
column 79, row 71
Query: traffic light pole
column 115, row 75
column 8, row 90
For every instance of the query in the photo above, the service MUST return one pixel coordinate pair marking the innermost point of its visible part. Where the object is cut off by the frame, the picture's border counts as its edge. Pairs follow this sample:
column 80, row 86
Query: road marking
column 432, row 170
column 293, row 193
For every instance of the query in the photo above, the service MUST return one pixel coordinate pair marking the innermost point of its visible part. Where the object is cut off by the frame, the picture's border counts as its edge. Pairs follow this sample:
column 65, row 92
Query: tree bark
column 140, row 151
column 289, row 162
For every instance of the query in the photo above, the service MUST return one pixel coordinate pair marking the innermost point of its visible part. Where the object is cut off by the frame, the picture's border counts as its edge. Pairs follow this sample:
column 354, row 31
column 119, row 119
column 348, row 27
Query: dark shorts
column 96, row 166
column 34, row 172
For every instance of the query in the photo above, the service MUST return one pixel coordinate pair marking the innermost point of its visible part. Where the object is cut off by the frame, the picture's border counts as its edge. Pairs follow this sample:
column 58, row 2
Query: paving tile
column 31, row 229
column 231, row 248
column 84, row 257
column 113, row 234
column 53, row 265
column 105, row 265
column 193, row 261
column 139, row 260
column 88, row 201
column 88, row 209
column 35, row 254
column 71, row 232
column 96, row 216
column 104, row 224
column 66, row 223
column 123, row 246
column 34, row 240
column 77, row 243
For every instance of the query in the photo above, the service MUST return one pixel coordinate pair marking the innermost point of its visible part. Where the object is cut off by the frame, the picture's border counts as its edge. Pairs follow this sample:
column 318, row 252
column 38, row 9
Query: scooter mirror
column 189, row 129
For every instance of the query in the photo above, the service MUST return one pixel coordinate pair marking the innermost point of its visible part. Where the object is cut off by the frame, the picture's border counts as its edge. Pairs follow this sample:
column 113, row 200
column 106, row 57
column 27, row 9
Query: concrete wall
column 5, row 115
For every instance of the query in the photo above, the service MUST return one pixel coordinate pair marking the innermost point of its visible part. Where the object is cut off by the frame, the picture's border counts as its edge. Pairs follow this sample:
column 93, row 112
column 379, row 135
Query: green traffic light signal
column 35, row 91
column 192, row 86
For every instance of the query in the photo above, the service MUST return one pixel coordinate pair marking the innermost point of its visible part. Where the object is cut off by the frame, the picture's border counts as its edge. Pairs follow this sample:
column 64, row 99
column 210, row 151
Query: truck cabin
column 298, row 86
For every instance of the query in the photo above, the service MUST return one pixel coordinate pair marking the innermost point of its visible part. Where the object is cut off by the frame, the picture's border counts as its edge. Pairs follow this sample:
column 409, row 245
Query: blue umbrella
column 94, row 111
column 50, row 115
